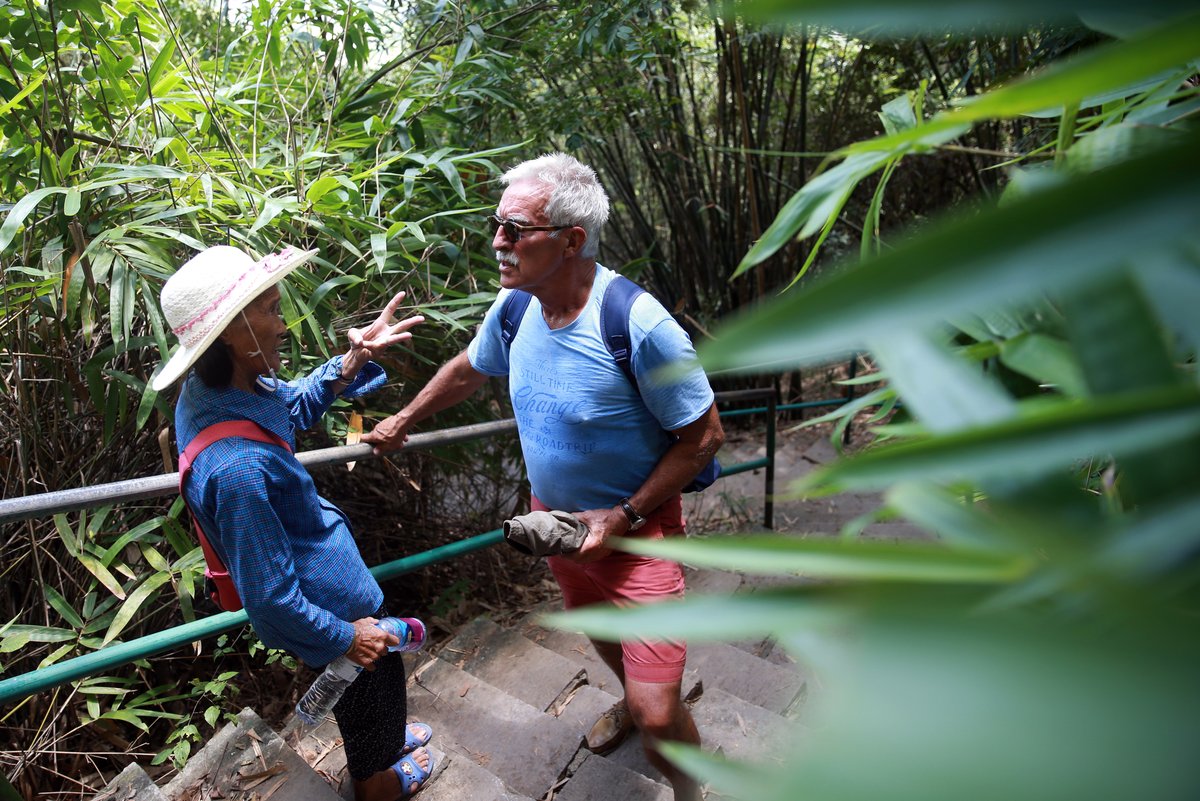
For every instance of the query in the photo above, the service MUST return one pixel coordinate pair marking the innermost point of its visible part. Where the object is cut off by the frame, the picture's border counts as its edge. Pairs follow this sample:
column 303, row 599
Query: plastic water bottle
column 409, row 630
column 338, row 674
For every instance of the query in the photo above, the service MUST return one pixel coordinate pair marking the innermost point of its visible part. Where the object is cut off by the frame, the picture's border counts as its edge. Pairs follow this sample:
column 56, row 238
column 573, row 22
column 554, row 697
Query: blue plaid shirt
column 290, row 551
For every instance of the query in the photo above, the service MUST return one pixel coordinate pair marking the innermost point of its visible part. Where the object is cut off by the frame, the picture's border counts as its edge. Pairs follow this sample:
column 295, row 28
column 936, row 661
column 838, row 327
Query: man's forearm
column 456, row 381
column 698, row 443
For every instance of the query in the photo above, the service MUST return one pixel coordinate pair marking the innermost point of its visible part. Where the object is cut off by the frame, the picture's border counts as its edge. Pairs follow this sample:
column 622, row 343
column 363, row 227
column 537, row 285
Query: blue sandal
column 414, row 741
column 411, row 773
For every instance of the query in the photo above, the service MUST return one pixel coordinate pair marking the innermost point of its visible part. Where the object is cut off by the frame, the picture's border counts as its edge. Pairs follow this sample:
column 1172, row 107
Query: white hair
column 576, row 196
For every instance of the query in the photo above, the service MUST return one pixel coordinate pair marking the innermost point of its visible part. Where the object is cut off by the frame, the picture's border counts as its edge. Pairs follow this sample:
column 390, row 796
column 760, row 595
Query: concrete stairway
column 511, row 705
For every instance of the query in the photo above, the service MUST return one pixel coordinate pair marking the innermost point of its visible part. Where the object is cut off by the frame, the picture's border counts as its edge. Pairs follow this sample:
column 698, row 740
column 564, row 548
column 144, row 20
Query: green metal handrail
column 122, row 653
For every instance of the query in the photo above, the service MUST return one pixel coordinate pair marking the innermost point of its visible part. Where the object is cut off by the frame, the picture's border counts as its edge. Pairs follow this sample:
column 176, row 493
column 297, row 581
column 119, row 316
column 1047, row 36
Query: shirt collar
column 201, row 406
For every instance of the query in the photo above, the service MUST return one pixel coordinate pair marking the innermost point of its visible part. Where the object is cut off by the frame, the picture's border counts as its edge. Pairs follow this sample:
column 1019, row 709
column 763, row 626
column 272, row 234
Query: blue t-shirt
column 588, row 437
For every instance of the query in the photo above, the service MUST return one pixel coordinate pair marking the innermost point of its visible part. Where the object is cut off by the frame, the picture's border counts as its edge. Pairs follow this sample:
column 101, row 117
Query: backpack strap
column 614, row 323
column 614, row 329
column 614, row 320
column 511, row 314
column 222, row 589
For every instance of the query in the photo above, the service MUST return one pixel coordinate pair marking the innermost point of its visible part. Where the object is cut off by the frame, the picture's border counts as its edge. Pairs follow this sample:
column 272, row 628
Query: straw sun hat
column 207, row 292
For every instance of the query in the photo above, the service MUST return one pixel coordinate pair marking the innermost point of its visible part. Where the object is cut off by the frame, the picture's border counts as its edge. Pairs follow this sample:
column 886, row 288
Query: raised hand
column 365, row 343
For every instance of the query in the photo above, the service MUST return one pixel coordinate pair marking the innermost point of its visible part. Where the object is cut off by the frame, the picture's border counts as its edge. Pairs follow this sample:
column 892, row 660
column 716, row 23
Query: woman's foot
column 415, row 736
column 413, row 771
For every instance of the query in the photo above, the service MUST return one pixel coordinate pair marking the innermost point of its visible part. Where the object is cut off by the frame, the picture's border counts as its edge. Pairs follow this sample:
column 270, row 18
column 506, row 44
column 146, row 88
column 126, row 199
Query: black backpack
column 614, row 329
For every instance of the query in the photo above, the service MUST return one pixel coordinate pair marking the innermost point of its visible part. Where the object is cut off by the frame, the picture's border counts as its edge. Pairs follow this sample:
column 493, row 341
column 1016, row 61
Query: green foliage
column 134, row 135
column 1043, row 648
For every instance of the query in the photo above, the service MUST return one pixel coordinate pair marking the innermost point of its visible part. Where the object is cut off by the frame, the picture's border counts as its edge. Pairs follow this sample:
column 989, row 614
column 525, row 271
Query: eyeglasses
column 513, row 230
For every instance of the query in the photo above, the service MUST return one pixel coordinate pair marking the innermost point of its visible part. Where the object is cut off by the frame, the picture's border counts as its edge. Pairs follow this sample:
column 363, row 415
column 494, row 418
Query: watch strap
column 636, row 520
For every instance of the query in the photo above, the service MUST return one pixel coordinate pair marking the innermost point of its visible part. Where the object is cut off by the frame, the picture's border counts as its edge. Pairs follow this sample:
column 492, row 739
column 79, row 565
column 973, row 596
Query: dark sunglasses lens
column 510, row 228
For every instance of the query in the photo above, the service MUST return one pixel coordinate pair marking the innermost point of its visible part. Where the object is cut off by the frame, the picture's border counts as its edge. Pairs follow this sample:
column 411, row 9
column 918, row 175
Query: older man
column 615, row 454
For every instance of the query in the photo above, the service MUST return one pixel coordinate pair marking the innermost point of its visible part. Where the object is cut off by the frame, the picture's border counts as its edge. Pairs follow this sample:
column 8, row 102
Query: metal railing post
column 769, row 486
column 852, row 369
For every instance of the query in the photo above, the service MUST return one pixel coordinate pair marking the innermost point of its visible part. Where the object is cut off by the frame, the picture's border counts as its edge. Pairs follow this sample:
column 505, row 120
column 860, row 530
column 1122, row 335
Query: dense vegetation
column 1054, row 459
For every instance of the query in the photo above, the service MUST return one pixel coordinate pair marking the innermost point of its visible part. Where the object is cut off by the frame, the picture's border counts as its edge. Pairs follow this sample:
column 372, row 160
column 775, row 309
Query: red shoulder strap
column 225, row 594
column 230, row 428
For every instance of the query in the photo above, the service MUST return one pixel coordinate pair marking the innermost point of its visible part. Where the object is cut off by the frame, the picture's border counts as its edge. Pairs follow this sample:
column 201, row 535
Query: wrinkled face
column 537, row 255
column 255, row 335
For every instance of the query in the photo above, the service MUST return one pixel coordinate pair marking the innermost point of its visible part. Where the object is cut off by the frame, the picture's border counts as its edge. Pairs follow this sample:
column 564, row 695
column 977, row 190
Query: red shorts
column 625, row 579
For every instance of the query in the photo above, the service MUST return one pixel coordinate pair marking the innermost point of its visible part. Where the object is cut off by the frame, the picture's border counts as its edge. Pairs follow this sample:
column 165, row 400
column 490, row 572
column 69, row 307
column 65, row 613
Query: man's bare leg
column 660, row 713
column 610, row 654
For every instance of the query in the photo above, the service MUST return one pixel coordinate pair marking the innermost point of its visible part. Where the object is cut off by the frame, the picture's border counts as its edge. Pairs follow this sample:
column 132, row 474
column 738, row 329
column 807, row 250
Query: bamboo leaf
column 942, row 391
column 30, row 87
column 705, row 618
column 145, row 591
column 1047, row 360
column 1046, row 438
column 731, row 778
column 156, row 69
column 835, row 558
column 341, row 283
column 1155, row 542
column 71, row 202
column 154, row 558
column 30, row 634
column 55, row 655
column 1051, row 241
column 379, row 250
column 66, row 534
column 126, row 716
column 102, row 574
column 21, row 209
column 919, row 16
column 450, row 170
column 60, row 605
column 272, row 208
column 14, row 641
column 320, row 187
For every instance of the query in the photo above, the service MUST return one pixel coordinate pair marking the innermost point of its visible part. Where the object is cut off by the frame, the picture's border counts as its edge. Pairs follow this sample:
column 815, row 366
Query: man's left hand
column 602, row 524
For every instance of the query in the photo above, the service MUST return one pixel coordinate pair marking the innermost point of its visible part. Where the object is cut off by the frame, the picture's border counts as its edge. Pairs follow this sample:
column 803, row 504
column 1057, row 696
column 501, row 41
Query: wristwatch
column 636, row 521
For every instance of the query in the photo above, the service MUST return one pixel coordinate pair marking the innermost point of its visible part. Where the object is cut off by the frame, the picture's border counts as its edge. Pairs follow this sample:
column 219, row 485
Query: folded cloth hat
column 206, row 293
column 545, row 533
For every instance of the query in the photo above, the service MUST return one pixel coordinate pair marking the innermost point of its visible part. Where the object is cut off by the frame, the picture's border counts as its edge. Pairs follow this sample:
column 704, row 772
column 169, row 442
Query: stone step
column 131, row 784
column 768, row 649
column 600, row 778
column 711, row 582
column 457, row 778
column 454, row 777
column 572, row 645
column 749, row 677
column 727, row 724
column 525, row 747
column 510, row 662
column 249, row 761
column 322, row 749
column 737, row 728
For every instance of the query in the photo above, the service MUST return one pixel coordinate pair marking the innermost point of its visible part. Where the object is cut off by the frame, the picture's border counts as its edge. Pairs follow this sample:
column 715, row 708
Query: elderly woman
column 290, row 552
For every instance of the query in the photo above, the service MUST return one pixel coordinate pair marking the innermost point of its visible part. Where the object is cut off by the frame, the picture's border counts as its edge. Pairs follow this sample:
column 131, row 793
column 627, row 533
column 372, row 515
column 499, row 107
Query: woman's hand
column 365, row 343
column 370, row 643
